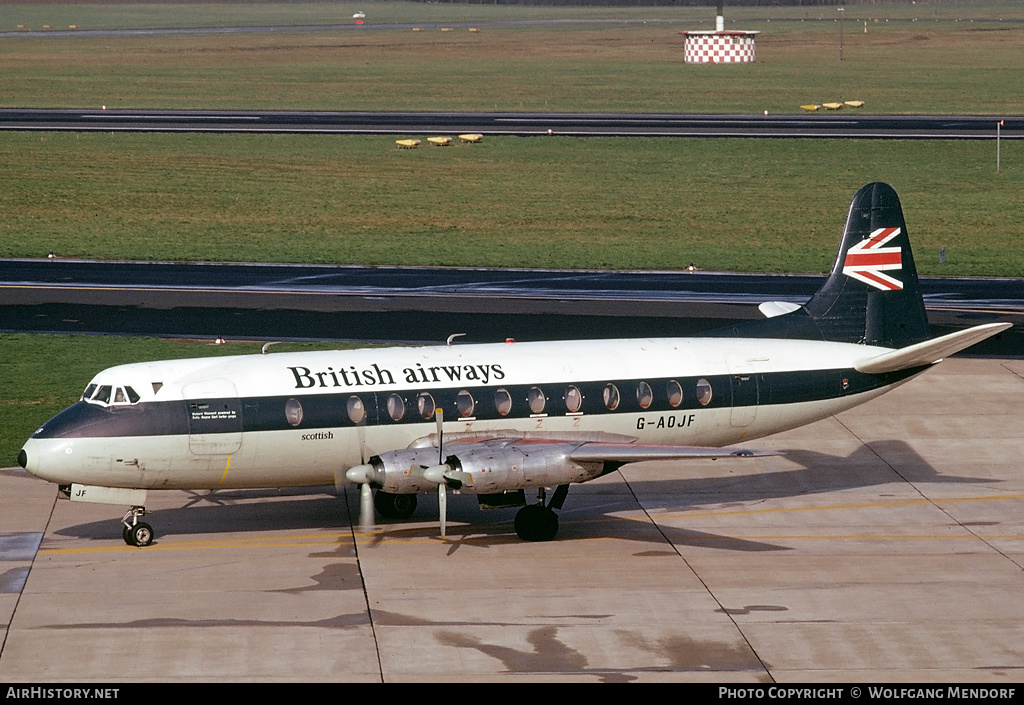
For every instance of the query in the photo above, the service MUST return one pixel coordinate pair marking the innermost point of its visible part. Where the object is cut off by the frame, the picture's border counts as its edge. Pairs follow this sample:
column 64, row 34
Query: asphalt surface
column 845, row 124
column 416, row 305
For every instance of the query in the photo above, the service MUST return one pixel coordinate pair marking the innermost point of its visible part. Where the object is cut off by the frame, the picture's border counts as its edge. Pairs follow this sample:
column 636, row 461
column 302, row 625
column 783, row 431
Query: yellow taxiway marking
column 392, row 534
column 249, row 542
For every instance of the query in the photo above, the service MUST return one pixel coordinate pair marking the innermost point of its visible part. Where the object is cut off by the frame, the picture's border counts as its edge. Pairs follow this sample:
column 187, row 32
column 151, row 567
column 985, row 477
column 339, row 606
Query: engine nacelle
column 401, row 471
column 477, row 469
column 496, row 469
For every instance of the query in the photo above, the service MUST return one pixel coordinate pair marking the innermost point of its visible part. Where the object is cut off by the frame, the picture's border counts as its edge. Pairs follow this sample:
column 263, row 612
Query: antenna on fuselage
column 452, row 337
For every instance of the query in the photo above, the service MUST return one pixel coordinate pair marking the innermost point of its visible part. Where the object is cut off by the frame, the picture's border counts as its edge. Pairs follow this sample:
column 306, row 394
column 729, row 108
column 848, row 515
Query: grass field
column 746, row 205
column 910, row 59
column 126, row 14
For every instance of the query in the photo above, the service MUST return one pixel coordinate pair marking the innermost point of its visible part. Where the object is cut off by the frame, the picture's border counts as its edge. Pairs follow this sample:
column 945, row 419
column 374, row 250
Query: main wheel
column 394, row 506
column 140, row 535
column 536, row 523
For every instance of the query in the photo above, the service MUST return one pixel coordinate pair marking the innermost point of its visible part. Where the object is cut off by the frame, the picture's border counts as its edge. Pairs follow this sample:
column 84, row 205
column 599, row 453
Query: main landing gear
column 538, row 522
column 534, row 522
column 136, row 533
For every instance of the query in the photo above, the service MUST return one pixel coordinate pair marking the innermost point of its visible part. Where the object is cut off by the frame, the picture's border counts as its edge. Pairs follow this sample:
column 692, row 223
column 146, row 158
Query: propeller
column 360, row 475
column 442, row 491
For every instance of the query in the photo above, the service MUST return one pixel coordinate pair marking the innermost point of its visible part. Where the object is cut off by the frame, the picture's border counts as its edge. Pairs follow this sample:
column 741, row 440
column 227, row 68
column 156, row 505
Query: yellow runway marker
column 271, row 542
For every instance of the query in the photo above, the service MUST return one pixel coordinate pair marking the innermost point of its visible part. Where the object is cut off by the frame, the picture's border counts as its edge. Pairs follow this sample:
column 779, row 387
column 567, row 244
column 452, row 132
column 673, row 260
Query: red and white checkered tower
column 719, row 47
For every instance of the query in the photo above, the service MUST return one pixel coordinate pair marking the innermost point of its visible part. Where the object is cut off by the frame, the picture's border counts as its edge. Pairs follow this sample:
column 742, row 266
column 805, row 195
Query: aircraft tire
column 394, row 506
column 141, row 534
column 536, row 523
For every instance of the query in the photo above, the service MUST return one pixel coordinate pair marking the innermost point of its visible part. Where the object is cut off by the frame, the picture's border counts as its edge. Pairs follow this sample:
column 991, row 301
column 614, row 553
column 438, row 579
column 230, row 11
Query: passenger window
column 573, row 399
column 703, row 391
column 644, row 395
column 674, row 391
column 396, row 407
column 356, row 409
column 535, row 398
column 293, row 412
column 425, row 406
column 465, row 403
column 502, row 402
column 610, row 395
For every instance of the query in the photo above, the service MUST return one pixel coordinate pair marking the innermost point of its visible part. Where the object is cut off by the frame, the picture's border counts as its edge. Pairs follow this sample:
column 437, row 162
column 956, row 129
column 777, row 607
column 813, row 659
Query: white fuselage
column 289, row 419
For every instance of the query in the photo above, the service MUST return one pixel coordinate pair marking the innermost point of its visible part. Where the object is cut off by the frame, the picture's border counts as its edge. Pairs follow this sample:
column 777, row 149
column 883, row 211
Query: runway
column 833, row 126
column 426, row 305
column 885, row 546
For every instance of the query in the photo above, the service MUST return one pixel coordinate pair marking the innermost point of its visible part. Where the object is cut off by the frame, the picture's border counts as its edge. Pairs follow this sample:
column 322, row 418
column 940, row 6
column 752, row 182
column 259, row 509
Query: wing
column 503, row 461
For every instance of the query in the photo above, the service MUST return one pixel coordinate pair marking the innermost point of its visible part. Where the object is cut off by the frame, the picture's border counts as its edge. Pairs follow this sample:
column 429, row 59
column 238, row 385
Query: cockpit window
column 108, row 394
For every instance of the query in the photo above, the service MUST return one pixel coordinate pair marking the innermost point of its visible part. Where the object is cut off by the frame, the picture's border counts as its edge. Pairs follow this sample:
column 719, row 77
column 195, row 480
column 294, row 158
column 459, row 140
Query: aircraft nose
column 44, row 460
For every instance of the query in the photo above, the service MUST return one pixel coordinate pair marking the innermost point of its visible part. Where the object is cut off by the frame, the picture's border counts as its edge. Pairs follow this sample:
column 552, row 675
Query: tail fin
column 872, row 295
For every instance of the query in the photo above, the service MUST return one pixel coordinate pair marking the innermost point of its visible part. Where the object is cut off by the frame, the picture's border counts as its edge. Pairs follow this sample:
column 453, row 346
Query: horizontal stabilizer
column 633, row 453
column 929, row 351
column 771, row 309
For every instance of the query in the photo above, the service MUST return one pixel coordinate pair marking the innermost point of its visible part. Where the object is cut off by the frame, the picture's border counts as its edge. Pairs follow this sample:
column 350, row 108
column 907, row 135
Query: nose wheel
column 136, row 533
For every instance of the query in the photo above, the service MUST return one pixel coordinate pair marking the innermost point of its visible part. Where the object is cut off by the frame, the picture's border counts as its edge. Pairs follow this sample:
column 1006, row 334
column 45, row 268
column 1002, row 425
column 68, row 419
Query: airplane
column 498, row 419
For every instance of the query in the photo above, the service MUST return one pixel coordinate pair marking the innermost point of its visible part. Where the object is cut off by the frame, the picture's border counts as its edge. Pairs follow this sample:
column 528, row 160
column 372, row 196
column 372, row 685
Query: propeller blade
column 442, row 504
column 438, row 472
column 457, row 479
column 439, row 417
column 361, row 475
column 366, row 518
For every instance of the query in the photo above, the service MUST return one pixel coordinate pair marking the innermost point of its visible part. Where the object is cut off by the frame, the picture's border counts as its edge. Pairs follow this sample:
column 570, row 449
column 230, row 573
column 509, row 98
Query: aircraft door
column 214, row 417
column 744, row 400
column 744, row 392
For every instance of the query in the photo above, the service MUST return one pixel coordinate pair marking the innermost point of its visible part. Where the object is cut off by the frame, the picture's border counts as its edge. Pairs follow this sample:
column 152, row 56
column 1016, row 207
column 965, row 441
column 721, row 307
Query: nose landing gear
column 136, row 533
